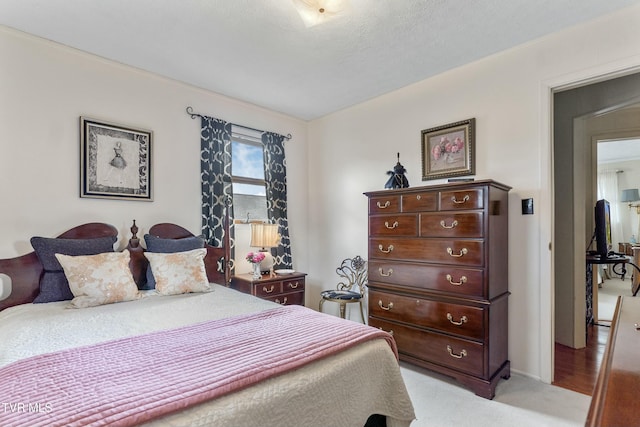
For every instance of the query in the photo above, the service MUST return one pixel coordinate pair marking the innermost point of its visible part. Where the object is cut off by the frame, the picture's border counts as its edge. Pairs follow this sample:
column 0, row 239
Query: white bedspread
column 360, row 381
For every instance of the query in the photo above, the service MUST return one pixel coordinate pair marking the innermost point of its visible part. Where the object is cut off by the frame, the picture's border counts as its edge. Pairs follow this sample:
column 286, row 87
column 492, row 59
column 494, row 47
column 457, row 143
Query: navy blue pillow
column 168, row 246
column 53, row 283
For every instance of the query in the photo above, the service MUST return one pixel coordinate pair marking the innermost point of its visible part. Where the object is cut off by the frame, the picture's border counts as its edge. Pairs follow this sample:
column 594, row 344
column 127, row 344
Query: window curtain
column 215, row 178
column 608, row 189
column 275, row 174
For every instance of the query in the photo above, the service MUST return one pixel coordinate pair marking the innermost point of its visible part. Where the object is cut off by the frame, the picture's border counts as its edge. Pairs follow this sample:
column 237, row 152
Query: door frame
column 548, row 88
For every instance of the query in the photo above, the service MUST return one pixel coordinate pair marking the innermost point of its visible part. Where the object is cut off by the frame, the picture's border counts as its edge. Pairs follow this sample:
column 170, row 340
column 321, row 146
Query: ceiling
column 620, row 150
column 261, row 52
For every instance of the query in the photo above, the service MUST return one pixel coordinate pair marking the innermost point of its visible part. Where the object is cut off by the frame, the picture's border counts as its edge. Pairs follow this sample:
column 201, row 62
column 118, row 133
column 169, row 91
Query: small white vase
column 256, row 270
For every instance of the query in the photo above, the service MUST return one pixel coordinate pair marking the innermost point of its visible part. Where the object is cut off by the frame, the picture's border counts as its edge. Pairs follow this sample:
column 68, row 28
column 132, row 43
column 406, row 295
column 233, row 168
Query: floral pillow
column 179, row 272
column 165, row 246
column 99, row 279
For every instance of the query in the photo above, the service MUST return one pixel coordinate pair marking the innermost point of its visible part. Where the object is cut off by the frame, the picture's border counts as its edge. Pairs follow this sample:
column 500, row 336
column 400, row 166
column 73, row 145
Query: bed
column 216, row 357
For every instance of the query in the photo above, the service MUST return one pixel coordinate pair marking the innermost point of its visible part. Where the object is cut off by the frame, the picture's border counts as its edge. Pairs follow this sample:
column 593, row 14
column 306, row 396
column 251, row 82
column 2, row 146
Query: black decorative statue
column 397, row 179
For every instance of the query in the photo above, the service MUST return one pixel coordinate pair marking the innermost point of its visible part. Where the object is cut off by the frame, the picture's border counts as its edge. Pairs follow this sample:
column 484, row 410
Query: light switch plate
column 527, row 206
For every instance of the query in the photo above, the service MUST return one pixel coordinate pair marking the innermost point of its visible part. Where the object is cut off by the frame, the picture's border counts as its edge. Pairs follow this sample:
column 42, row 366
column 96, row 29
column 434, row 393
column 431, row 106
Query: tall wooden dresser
column 438, row 277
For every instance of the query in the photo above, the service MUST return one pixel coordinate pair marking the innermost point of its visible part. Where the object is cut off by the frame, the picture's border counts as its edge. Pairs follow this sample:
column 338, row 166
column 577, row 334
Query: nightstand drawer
column 267, row 289
column 293, row 285
column 291, row 298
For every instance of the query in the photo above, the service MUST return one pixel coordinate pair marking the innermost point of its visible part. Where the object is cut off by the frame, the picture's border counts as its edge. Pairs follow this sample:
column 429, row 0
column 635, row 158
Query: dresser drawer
column 420, row 202
column 385, row 204
column 452, row 224
column 451, row 279
column 393, row 225
column 449, row 318
column 293, row 285
column 458, row 252
column 451, row 352
column 291, row 298
column 472, row 198
column 267, row 289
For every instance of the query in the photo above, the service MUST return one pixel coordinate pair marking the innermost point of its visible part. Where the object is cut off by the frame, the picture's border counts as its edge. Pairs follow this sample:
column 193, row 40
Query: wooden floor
column 577, row 370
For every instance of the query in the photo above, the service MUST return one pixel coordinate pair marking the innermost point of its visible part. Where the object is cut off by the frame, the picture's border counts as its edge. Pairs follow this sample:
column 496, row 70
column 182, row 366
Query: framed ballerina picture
column 115, row 161
column 448, row 150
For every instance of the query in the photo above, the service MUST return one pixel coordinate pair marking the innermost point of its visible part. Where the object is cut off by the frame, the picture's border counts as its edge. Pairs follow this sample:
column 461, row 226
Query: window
column 247, row 175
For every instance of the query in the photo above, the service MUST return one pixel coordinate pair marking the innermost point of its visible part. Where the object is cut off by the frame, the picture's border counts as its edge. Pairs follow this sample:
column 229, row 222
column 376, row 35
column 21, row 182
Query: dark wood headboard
column 25, row 271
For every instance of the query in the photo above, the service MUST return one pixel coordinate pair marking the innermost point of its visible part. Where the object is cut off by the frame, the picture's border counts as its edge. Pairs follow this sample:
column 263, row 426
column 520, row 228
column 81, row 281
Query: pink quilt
column 133, row 380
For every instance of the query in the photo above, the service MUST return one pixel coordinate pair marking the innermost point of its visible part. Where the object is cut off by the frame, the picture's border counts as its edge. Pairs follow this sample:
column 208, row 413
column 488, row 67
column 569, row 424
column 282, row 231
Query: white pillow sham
column 99, row 279
column 179, row 272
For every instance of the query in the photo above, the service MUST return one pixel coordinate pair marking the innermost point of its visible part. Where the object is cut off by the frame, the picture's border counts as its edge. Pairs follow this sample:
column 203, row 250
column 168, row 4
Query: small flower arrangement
column 254, row 257
column 446, row 147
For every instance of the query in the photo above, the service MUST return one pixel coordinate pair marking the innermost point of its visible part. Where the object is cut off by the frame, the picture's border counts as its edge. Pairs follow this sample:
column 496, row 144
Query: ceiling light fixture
column 314, row 12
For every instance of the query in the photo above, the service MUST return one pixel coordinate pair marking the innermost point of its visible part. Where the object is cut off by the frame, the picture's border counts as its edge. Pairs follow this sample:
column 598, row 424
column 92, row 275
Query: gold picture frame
column 448, row 150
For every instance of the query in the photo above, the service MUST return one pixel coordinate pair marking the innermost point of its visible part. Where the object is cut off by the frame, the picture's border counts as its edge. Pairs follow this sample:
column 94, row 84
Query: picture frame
column 115, row 161
column 448, row 150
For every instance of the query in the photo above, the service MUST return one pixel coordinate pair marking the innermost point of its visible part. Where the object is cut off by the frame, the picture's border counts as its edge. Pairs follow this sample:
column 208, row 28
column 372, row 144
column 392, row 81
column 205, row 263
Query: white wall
column 508, row 94
column 46, row 87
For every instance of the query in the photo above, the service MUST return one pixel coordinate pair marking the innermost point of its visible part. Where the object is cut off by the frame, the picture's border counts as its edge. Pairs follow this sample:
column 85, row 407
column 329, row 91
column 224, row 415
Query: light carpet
column 520, row 401
column 608, row 294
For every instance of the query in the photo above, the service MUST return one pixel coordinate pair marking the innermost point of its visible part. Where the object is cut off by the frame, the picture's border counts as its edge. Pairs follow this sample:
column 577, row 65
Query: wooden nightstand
column 284, row 289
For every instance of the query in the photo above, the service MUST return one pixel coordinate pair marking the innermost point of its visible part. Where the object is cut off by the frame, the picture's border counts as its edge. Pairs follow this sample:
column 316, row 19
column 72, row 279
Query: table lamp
column 265, row 237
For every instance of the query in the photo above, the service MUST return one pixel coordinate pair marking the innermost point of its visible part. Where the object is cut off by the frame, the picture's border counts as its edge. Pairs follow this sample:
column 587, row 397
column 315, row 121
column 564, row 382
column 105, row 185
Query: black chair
column 351, row 288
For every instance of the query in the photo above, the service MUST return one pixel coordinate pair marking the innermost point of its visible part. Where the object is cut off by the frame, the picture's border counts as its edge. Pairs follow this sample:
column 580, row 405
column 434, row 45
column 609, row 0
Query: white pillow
column 99, row 279
column 179, row 272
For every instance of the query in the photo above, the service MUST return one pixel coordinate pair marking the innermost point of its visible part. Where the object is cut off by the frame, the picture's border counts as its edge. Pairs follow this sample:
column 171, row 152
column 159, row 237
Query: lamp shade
column 630, row 195
column 264, row 235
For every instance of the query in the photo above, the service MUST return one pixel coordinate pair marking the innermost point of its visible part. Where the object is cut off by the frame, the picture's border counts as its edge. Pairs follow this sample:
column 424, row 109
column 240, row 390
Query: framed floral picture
column 448, row 150
column 115, row 161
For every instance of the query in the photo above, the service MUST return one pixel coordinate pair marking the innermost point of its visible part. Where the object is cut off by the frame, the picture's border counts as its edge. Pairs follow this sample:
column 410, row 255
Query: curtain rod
column 194, row 115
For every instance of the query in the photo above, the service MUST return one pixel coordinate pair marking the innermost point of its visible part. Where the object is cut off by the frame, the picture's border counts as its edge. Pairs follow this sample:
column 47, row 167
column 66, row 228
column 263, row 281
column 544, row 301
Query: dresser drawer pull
column 283, row 302
column 462, row 354
column 392, row 226
column 464, row 199
column 462, row 321
column 444, row 224
column 383, row 274
column 293, row 285
column 459, row 254
column 386, row 251
column 390, row 331
column 386, row 205
column 387, row 308
column 463, row 280
column 268, row 291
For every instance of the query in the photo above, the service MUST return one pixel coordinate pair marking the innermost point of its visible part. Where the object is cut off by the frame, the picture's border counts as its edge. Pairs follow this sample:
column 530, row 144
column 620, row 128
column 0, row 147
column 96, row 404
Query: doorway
column 618, row 169
column 574, row 174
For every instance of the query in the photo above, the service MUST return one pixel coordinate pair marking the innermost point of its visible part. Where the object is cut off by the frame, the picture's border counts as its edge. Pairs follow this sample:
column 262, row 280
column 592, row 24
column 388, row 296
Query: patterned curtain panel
column 275, row 173
column 215, row 177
